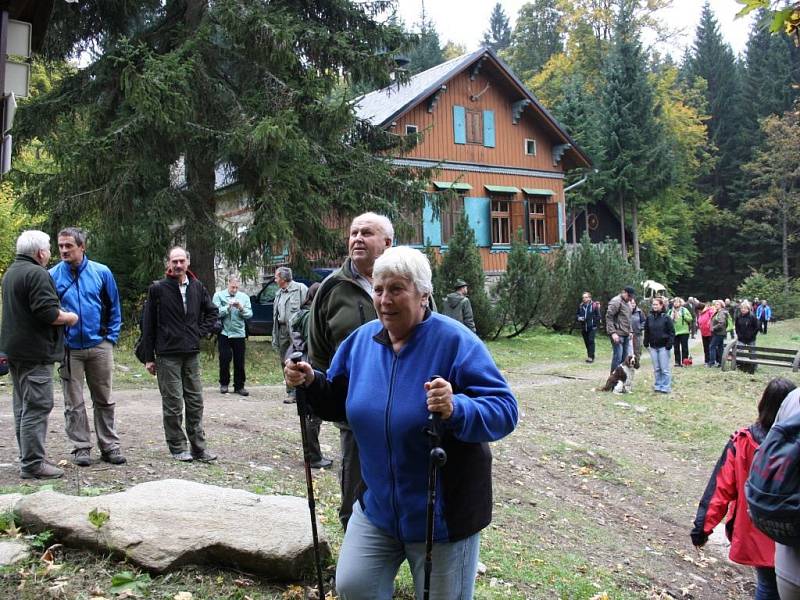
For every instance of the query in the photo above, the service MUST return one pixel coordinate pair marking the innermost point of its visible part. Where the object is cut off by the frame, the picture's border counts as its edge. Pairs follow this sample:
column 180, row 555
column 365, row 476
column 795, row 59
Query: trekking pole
column 436, row 459
column 302, row 411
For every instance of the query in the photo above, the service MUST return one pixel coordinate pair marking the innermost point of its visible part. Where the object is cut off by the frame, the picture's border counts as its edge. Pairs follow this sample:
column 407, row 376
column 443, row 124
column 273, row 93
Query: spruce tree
column 498, row 36
column 462, row 261
column 427, row 51
column 538, row 35
column 234, row 88
column 636, row 161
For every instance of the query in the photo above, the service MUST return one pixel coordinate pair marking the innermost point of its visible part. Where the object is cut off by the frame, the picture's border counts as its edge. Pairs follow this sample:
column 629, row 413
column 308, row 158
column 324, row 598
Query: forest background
column 701, row 154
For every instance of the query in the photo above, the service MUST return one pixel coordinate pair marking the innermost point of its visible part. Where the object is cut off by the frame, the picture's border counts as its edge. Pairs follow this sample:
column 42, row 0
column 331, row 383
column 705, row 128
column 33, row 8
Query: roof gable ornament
column 476, row 68
column 517, row 108
column 434, row 100
column 558, row 152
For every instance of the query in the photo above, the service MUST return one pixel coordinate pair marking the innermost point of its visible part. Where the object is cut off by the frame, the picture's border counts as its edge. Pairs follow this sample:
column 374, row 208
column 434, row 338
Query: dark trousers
column 313, row 424
column 350, row 480
column 763, row 323
column 32, row 402
column 717, row 349
column 231, row 348
column 588, row 340
column 766, row 584
column 681, row 348
column 707, row 349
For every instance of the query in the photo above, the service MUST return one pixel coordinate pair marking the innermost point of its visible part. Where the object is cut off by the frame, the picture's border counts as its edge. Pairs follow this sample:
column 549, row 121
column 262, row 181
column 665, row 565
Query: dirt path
column 580, row 480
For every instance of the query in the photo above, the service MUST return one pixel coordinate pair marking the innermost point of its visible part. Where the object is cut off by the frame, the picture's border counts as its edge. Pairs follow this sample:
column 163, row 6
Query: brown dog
column 621, row 379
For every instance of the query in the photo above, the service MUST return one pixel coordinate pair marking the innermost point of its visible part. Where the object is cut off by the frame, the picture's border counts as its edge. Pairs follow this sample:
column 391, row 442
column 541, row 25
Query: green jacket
column 30, row 305
column 683, row 321
column 458, row 307
column 233, row 319
column 340, row 306
column 287, row 303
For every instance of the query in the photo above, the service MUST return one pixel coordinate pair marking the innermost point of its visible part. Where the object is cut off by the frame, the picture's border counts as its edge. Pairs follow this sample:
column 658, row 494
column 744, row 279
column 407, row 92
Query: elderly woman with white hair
column 379, row 380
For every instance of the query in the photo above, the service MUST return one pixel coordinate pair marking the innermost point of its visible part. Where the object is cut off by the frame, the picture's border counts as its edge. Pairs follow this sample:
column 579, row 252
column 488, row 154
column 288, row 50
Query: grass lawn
column 594, row 493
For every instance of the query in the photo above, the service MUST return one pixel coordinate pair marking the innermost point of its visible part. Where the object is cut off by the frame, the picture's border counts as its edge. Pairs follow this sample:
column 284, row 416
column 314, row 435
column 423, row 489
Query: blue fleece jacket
column 92, row 294
column 384, row 397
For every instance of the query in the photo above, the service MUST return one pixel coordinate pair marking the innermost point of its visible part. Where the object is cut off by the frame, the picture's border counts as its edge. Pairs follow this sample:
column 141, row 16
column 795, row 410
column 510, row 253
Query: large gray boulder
column 161, row 525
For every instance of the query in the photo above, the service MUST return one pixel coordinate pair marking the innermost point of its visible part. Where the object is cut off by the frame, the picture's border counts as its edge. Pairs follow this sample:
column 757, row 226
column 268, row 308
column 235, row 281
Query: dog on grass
column 621, row 379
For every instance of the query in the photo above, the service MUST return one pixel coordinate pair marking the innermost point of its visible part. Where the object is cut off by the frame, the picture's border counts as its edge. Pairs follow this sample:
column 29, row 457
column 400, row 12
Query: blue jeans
column 619, row 352
column 662, row 368
column 766, row 585
column 716, row 349
column 369, row 560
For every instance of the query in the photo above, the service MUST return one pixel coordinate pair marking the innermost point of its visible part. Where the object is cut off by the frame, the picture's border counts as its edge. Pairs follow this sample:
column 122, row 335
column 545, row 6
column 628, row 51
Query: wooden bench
column 737, row 354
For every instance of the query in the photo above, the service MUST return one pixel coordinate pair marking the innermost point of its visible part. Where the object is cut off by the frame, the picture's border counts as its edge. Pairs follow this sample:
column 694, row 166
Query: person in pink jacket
column 724, row 495
column 704, row 314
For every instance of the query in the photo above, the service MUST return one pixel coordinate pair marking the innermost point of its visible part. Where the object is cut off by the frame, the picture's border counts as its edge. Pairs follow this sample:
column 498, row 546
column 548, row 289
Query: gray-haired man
column 288, row 300
column 32, row 337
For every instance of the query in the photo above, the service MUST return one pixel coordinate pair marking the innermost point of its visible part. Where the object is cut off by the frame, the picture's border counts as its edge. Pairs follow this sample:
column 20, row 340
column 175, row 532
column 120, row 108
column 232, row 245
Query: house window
column 530, row 147
column 474, row 127
column 538, row 228
column 451, row 209
column 410, row 232
column 411, row 129
column 501, row 221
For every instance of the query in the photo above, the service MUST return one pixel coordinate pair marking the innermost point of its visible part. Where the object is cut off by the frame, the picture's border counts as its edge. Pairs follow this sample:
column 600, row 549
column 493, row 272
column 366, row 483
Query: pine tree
column 636, row 163
column 498, row 36
column 538, row 35
column 427, row 51
column 199, row 84
column 462, row 261
column 712, row 60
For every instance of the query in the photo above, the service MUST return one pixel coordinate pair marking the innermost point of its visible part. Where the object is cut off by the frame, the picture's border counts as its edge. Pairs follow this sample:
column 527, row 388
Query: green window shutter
column 431, row 225
column 478, row 211
column 460, row 124
column 488, row 128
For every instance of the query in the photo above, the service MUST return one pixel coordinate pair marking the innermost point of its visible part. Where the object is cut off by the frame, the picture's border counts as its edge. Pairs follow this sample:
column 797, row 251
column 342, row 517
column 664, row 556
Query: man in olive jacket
column 342, row 304
column 618, row 325
column 33, row 339
column 179, row 312
column 457, row 306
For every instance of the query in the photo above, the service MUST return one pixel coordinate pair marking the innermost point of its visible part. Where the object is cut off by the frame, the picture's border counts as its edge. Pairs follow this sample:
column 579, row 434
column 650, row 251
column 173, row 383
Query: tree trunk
column 622, row 226
column 785, row 244
column 635, row 235
column 199, row 219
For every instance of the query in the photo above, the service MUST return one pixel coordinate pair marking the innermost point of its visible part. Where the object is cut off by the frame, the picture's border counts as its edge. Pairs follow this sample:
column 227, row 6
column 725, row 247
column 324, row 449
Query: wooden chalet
column 494, row 147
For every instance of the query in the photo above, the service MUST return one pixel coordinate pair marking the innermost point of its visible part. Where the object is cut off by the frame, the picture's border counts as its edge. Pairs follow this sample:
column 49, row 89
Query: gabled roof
column 383, row 106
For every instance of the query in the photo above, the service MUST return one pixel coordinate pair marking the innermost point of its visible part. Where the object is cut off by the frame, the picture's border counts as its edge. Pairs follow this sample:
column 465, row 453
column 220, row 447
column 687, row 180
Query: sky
column 464, row 21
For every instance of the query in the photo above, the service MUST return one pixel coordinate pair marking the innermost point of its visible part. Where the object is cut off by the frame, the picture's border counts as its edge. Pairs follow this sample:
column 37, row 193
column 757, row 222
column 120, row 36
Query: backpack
column 773, row 486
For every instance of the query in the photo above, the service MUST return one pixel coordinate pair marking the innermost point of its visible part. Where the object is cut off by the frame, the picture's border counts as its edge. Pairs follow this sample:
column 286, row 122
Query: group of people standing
column 669, row 325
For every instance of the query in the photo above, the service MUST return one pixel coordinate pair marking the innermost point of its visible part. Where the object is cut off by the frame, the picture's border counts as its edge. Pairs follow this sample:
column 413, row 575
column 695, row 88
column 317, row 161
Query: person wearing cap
column 618, row 324
column 457, row 306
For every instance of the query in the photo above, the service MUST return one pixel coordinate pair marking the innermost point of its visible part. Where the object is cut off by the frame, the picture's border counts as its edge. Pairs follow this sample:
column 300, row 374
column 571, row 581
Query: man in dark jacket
column 747, row 328
column 179, row 312
column 32, row 337
column 88, row 288
column 457, row 306
column 342, row 304
column 588, row 315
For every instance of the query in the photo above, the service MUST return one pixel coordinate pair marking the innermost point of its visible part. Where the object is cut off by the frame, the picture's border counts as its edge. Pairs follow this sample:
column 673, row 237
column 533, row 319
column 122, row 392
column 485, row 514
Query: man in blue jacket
column 88, row 289
column 764, row 315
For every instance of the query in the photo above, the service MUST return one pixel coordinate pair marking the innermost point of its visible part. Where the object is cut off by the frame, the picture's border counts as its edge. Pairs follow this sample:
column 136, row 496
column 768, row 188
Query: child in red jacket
column 725, row 495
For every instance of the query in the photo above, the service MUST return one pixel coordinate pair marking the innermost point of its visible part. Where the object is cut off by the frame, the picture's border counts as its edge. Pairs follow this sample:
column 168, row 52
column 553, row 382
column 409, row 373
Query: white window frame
column 525, row 147
column 411, row 129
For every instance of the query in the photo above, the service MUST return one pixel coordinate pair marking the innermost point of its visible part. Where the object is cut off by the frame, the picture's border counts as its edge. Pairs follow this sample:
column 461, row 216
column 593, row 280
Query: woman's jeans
column 717, row 349
column 766, row 586
column 681, row 348
column 662, row 369
column 369, row 560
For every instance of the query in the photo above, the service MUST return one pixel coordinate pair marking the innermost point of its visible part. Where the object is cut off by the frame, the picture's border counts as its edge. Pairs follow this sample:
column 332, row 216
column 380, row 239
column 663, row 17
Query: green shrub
column 783, row 295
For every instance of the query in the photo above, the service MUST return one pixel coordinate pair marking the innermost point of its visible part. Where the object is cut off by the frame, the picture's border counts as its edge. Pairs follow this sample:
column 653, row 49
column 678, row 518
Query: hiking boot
column 323, row 463
column 183, row 456
column 45, row 471
column 290, row 400
column 114, row 457
column 242, row 392
column 82, row 457
column 223, row 389
column 589, row 360
column 204, row 456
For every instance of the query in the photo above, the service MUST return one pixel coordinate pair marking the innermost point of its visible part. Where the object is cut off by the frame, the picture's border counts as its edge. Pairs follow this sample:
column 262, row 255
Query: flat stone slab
column 161, row 525
column 12, row 552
